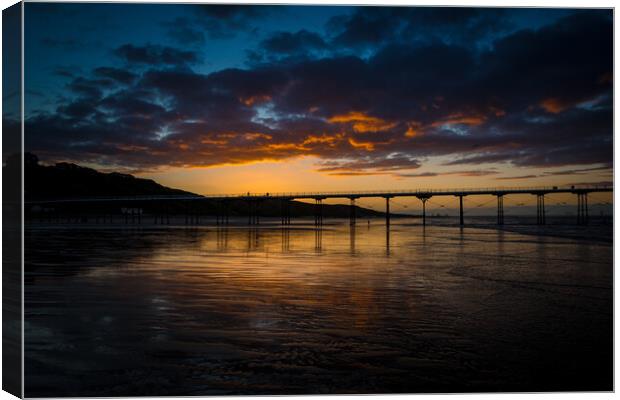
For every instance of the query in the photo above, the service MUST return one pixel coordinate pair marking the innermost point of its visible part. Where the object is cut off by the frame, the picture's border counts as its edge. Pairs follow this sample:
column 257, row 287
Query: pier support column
column 387, row 211
column 461, row 210
column 352, row 215
column 221, row 212
column 541, row 218
column 286, row 212
column 318, row 212
column 256, row 210
column 582, row 208
column 423, row 200
column 250, row 211
column 226, row 211
column 500, row 209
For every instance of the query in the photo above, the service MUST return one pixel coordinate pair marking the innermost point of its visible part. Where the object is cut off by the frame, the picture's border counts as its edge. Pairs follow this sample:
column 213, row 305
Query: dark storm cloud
column 117, row 74
column 289, row 47
column 287, row 42
column 380, row 164
column 215, row 21
column 372, row 26
column 89, row 87
column 224, row 20
column 234, row 13
column 155, row 55
column 537, row 98
column 79, row 109
column 564, row 63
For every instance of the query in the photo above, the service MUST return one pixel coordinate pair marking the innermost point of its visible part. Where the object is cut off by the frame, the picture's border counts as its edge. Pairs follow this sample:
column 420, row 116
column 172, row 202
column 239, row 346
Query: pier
column 131, row 211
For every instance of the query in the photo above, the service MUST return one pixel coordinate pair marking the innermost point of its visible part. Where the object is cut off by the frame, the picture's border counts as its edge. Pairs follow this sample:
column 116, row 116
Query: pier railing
column 351, row 194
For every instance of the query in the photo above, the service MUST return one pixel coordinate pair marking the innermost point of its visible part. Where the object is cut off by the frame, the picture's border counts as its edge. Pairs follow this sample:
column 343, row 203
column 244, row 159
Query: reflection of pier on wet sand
column 254, row 236
column 413, row 308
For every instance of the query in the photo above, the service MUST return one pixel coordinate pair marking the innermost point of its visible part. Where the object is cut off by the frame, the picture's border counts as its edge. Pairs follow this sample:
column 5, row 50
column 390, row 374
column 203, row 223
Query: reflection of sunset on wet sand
column 273, row 310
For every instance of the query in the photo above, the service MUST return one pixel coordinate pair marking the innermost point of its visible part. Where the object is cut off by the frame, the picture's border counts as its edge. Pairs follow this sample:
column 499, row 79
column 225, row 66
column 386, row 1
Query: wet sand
column 202, row 311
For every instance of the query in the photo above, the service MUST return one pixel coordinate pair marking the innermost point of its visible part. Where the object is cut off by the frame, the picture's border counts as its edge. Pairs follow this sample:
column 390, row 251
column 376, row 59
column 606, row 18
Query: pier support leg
column 318, row 212
column 541, row 218
column 250, row 218
column 256, row 210
column 286, row 212
column 424, row 212
column 582, row 208
column 282, row 212
column 578, row 208
column 226, row 212
column 500, row 209
column 461, row 210
column 352, row 212
column 387, row 211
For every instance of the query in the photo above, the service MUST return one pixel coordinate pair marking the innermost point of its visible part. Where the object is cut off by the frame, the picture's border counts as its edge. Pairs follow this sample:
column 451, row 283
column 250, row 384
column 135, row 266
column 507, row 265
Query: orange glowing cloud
column 250, row 101
column 368, row 146
column 362, row 122
column 553, row 105
column 214, row 142
column 460, row 119
column 323, row 139
column 256, row 135
column 287, row 146
column 413, row 129
column 131, row 148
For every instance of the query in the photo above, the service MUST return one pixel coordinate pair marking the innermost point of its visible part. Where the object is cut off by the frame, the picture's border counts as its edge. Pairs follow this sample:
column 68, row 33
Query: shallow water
column 177, row 311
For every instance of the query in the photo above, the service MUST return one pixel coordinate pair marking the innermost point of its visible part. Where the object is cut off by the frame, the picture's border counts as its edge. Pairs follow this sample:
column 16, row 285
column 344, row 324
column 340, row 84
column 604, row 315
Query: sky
column 229, row 99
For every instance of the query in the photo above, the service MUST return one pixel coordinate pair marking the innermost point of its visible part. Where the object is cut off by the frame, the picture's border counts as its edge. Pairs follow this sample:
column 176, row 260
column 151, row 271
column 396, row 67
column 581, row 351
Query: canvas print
column 241, row 199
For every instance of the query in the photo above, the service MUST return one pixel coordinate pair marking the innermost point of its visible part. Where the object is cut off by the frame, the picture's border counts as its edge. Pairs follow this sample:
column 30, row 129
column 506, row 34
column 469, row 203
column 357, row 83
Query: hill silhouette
column 66, row 180
column 71, row 181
